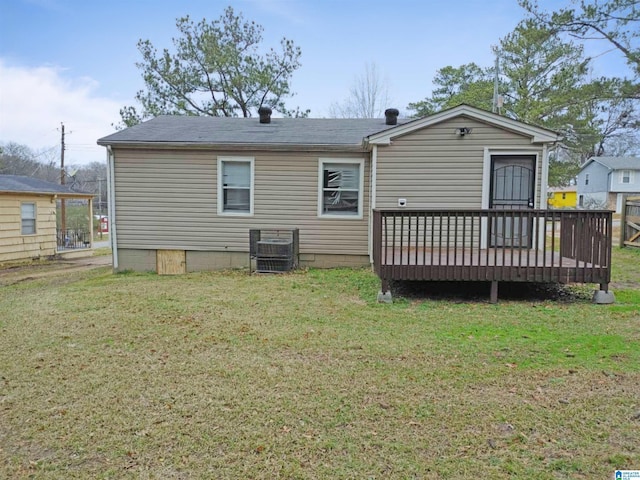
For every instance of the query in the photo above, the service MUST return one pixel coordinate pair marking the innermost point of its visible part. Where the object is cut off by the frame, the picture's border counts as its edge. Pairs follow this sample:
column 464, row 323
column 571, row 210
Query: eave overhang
column 537, row 134
column 48, row 194
column 240, row 147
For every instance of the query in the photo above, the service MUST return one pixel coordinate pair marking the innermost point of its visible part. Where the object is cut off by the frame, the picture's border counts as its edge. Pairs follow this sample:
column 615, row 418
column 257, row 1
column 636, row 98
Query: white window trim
column 35, row 218
column 486, row 171
column 337, row 216
column 220, row 201
column 622, row 182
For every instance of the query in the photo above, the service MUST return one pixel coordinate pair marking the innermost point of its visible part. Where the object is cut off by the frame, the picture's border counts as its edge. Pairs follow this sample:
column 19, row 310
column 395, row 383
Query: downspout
column 372, row 197
column 545, row 176
column 542, row 227
column 111, row 205
column 91, row 223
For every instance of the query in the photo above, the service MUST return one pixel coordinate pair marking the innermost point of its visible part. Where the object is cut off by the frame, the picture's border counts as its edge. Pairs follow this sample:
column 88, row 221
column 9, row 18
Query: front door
column 512, row 188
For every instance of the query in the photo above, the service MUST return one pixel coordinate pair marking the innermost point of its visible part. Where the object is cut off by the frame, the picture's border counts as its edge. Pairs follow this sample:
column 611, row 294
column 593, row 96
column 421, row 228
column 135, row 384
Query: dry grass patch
column 224, row 375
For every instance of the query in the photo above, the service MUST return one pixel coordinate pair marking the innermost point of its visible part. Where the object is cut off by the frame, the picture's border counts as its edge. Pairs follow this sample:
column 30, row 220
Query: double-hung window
column 625, row 176
column 340, row 189
column 235, row 185
column 28, row 218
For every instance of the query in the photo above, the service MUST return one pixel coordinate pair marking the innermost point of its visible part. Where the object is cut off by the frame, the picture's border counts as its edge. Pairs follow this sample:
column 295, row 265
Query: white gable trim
column 537, row 134
column 599, row 162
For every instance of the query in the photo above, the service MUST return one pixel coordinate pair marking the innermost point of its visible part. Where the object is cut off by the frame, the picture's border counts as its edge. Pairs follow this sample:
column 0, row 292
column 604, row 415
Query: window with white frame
column 340, row 192
column 625, row 176
column 235, row 185
column 28, row 218
column 586, row 179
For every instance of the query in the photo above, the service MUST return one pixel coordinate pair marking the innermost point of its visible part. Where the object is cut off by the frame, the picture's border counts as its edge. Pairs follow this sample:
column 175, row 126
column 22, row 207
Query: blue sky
column 73, row 61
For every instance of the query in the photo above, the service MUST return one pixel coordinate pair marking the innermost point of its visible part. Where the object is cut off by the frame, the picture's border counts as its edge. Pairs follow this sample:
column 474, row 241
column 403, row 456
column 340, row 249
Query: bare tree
column 623, row 146
column 368, row 96
column 18, row 159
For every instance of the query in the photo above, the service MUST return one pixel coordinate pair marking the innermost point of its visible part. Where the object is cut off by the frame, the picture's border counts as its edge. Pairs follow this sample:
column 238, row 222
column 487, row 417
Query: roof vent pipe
column 265, row 114
column 391, row 116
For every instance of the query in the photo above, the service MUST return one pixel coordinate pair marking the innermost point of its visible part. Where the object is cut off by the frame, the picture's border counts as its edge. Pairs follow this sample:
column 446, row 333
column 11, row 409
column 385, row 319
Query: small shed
column 29, row 208
column 562, row 197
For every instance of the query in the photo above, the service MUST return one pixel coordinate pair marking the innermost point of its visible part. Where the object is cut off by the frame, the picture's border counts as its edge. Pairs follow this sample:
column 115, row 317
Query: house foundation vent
column 273, row 251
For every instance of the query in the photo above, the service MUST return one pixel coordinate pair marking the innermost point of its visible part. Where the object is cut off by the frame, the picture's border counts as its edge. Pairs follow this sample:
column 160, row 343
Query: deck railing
column 70, row 239
column 494, row 245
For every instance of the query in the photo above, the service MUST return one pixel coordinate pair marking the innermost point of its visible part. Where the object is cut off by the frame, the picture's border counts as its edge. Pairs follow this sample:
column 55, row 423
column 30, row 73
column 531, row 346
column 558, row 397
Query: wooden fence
column 630, row 223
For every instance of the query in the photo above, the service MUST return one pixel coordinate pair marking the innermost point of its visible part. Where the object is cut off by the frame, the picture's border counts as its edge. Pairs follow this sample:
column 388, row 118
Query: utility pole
column 63, row 213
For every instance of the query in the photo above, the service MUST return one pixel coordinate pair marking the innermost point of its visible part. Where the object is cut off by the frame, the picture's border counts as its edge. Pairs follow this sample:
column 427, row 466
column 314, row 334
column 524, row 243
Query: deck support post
column 603, row 296
column 384, row 295
column 493, row 295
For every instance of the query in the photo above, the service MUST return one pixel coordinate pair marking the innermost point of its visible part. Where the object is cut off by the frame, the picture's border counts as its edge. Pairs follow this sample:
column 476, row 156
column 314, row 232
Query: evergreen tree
column 217, row 69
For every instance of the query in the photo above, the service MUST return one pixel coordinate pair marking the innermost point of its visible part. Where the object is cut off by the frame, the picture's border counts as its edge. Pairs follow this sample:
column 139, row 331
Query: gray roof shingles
column 22, row 184
column 249, row 131
column 619, row 163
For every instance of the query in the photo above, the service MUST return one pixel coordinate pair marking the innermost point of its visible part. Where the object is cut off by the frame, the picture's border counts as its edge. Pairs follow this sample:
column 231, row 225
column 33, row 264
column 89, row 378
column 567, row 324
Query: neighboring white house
column 604, row 181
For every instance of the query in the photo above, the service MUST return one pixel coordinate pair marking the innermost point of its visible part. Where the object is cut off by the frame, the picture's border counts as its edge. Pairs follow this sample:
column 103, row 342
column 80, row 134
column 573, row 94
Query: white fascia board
column 608, row 167
column 537, row 134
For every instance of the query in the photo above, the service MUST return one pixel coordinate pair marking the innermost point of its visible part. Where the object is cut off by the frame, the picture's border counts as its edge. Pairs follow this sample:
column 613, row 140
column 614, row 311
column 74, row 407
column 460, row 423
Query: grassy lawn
column 225, row 375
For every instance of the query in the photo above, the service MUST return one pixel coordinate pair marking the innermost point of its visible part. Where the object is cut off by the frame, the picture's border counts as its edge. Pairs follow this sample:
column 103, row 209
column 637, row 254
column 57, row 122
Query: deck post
column 493, row 296
column 384, row 295
column 604, row 296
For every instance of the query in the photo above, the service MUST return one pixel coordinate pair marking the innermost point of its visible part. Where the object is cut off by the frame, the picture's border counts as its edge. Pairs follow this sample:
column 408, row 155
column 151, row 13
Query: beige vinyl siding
column 167, row 199
column 14, row 245
column 436, row 168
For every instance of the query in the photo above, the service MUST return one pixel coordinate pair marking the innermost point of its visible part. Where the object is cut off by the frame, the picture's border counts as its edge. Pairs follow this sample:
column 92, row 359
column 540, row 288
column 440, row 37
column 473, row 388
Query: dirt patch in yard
column 12, row 274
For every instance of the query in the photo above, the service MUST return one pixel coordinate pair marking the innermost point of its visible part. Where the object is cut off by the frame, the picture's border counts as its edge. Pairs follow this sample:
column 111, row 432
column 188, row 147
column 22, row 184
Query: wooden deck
column 528, row 265
column 501, row 257
column 558, row 246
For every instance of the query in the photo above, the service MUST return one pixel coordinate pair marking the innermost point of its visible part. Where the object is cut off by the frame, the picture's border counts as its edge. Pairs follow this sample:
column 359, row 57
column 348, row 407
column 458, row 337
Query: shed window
column 28, row 218
column 340, row 193
column 235, row 186
column 586, row 179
